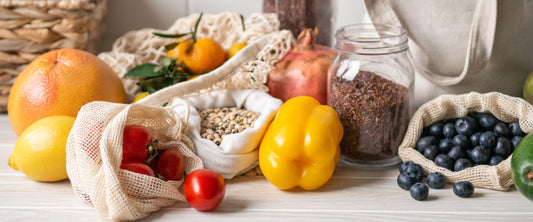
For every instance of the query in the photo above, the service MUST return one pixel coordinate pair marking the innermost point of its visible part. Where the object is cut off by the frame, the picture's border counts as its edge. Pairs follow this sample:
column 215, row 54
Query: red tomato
column 135, row 143
column 171, row 164
column 204, row 189
column 138, row 168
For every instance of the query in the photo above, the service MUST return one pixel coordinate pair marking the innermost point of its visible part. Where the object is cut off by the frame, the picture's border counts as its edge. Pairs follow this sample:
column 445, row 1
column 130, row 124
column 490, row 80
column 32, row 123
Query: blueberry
column 444, row 161
column 446, row 145
column 436, row 180
column 424, row 142
column 416, row 170
column 474, row 139
column 487, row 121
column 435, row 130
column 516, row 140
column 488, row 140
column 406, row 180
column 461, row 164
column 516, row 130
column 495, row 160
column 501, row 129
column 465, row 126
column 480, row 155
column 430, row 152
column 448, row 130
column 419, row 191
column 462, row 141
column 404, row 166
column 503, row 147
column 463, row 189
column 456, row 153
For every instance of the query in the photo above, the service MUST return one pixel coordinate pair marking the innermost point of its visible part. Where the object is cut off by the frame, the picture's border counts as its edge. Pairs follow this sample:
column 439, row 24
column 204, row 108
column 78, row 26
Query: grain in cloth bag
column 94, row 145
column 460, row 46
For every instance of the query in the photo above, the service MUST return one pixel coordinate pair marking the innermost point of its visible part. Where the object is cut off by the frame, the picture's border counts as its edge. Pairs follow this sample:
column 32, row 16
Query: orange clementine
column 60, row 82
column 203, row 55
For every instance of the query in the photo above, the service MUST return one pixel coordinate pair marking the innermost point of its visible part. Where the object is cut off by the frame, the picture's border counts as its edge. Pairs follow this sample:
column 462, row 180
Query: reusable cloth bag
column 94, row 155
column 460, row 46
column 238, row 152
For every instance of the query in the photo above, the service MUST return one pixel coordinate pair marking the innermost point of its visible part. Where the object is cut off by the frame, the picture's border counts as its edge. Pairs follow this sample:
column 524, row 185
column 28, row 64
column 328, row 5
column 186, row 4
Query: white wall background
column 126, row 15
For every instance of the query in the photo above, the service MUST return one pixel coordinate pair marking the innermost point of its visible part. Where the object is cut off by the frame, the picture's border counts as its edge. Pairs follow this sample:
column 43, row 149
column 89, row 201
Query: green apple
column 527, row 92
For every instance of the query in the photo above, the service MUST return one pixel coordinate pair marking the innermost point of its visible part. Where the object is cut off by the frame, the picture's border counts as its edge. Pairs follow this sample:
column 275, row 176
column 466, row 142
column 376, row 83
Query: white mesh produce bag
column 504, row 107
column 94, row 155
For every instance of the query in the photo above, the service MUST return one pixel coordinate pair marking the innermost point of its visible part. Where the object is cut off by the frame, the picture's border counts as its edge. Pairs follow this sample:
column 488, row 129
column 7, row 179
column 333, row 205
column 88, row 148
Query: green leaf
column 144, row 70
column 173, row 36
column 167, row 61
column 171, row 45
column 164, row 104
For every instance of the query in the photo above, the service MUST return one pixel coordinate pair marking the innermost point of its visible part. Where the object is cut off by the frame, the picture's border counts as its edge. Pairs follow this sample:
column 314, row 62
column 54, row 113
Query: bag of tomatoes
column 129, row 160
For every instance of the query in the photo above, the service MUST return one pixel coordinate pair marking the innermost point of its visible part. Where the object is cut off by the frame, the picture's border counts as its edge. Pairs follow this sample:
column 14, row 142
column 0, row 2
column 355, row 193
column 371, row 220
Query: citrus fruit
column 201, row 56
column 40, row 151
column 527, row 89
column 60, row 82
column 140, row 96
column 234, row 49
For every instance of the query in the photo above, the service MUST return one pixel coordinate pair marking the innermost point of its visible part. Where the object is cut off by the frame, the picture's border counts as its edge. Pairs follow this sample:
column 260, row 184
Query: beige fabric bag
column 460, row 46
column 94, row 154
column 238, row 152
column 504, row 107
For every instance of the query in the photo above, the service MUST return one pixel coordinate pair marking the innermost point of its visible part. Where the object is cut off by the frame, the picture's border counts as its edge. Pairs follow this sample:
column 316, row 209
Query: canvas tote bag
column 459, row 46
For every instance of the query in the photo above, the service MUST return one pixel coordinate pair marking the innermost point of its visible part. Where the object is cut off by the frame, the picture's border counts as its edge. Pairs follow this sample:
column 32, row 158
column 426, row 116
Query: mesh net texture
column 505, row 108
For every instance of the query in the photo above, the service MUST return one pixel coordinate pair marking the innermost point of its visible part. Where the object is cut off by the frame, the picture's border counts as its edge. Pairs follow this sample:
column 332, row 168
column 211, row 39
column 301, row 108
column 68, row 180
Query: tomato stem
column 152, row 152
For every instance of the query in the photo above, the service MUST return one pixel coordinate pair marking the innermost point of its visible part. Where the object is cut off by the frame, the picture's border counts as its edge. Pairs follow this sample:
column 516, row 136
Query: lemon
column 40, row 151
column 140, row 96
column 234, row 49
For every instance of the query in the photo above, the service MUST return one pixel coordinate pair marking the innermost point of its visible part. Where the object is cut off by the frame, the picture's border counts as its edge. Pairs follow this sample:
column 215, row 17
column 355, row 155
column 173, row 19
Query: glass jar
column 370, row 85
column 297, row 15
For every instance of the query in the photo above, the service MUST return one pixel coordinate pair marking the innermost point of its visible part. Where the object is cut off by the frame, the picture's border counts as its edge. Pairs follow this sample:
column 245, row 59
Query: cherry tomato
column 204, row 189
column 138, row 168
column 135, row 143
column 171, row 164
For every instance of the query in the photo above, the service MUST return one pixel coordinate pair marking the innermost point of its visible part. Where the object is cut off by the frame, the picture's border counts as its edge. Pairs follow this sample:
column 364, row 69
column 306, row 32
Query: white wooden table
column 352, row 194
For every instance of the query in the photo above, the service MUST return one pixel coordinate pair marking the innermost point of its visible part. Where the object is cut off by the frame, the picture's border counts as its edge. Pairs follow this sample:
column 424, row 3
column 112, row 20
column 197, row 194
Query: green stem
column 242, row 22
column 196, row 27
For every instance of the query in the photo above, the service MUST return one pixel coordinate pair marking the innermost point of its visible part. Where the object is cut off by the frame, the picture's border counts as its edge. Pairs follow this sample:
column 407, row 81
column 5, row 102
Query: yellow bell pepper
column 301, row 146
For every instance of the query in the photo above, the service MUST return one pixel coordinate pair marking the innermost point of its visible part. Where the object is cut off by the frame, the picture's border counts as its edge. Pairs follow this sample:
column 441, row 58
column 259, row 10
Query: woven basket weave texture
column 29, row 28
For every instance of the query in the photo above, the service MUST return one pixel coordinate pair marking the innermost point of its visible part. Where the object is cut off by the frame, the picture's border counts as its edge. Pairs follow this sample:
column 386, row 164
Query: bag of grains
column 94, row 155
column 227, row 126
column 505, row 108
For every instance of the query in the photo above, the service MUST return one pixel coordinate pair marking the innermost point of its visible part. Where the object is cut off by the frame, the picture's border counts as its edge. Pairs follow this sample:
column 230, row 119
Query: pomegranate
column 303, row 71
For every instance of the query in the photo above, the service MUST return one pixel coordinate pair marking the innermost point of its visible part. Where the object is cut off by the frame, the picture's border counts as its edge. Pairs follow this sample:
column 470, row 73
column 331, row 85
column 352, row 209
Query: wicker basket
column 29, row 28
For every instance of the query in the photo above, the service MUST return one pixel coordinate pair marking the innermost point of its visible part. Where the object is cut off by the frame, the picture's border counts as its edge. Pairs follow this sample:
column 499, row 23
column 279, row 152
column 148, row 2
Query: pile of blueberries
column 411, row 175
column 478, row 138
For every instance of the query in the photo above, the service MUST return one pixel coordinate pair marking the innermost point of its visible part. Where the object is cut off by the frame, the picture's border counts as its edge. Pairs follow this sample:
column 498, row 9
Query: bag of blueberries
column 468, row 137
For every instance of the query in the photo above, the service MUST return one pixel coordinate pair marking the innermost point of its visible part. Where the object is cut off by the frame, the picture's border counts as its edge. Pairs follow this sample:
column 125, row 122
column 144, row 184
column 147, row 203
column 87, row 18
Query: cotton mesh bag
column 266, row 45
column 94, row 155
column 504, row 107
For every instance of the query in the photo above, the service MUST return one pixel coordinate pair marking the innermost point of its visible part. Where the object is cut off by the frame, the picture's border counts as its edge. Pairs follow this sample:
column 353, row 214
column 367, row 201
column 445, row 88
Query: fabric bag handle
column 480, row 43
